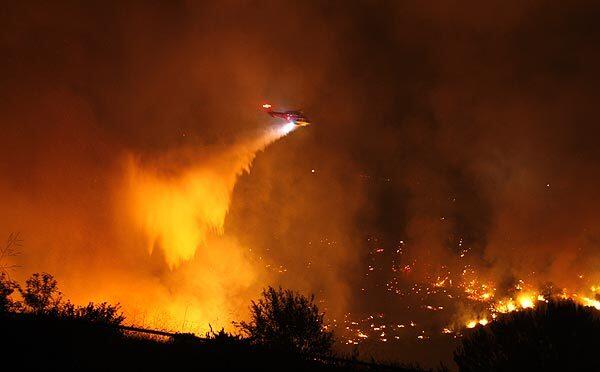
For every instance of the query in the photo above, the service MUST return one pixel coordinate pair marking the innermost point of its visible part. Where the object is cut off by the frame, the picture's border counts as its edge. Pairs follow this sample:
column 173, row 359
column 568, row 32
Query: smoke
column 464, row 136
column 147, row 231
column 178, row 203
column 182, row 197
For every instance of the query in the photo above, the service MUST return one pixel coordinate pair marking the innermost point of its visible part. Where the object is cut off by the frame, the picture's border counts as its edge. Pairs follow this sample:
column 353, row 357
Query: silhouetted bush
column 7, row 287
column 42, row 297
column 288, row 321
column 41, row 293
column 49, row 333
column 559, row 335
column 224, row 338
column 101, row 314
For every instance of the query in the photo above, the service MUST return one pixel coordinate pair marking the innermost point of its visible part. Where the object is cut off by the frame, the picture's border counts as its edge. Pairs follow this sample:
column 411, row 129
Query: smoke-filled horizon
column 448, row 141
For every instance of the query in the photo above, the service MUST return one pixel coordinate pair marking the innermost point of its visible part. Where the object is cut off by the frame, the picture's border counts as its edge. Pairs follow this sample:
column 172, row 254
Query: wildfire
column 464, row 296
column 526, row 301
column 590, row 302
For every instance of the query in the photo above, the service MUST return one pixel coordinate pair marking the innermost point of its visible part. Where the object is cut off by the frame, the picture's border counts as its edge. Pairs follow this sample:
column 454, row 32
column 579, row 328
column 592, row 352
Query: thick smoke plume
column 182, row 197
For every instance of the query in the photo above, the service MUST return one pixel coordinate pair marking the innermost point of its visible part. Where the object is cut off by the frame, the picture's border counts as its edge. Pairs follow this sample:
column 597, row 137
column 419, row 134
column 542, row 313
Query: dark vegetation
column 43, row 331
column 555, row 336
column 288, row 321
column 286, row 331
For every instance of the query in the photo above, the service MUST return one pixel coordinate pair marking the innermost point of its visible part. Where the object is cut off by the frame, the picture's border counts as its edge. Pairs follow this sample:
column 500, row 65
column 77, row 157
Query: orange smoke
column 180, row 199
column 150, row 236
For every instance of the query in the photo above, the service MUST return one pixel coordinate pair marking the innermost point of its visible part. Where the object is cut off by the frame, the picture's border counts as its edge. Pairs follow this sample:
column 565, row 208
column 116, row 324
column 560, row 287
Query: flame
column 525, row 301
column 590, row 302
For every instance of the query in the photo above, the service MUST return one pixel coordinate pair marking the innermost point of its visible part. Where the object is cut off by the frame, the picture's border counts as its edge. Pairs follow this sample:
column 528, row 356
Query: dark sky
column 432, row 122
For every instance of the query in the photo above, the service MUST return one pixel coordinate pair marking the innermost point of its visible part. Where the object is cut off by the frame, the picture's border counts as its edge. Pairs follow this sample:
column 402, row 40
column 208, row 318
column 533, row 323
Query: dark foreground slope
column 53, row 343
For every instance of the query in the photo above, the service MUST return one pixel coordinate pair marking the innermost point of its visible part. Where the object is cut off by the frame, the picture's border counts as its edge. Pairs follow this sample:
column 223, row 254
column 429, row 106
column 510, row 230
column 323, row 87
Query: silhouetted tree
column 10, row 249
column 7, row 287
column 102, row 314
column 224, row 339
column 558, row 335
column 41, row 292
column 289, row 321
